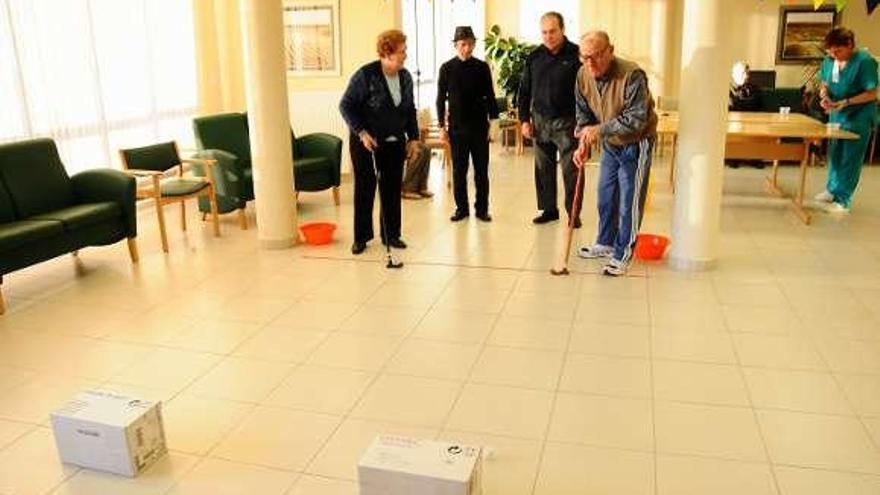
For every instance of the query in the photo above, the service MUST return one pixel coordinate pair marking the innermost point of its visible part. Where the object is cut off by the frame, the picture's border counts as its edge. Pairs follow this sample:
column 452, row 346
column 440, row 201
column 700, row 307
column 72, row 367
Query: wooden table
column 759, row 136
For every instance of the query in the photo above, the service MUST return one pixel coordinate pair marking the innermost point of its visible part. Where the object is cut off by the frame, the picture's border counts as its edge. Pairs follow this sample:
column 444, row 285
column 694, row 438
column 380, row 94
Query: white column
column 266, row 94
column 699, row 164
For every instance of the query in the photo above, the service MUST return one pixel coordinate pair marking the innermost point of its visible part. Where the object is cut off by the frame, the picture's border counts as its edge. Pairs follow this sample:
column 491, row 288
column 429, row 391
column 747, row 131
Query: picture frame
column 802, row 31
column 312, row 38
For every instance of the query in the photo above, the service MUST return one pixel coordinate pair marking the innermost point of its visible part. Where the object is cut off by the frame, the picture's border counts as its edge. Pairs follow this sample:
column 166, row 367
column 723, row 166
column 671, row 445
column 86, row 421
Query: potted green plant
column 508, row 56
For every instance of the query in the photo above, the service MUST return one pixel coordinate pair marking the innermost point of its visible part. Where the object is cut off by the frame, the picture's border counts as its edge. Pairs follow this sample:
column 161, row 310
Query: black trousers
column 467, row 145
column 389, row 161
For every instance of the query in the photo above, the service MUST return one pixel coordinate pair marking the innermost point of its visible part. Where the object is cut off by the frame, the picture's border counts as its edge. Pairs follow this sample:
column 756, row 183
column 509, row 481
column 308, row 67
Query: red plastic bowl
column 317, row 233
column 650, row 246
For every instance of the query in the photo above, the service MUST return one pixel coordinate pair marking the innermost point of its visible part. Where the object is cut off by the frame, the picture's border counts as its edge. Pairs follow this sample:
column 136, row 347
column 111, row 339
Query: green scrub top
column 857, row 76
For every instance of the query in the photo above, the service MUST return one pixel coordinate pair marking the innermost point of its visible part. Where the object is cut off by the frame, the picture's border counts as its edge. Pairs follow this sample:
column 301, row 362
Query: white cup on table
column 833, row 126
column 785, row 110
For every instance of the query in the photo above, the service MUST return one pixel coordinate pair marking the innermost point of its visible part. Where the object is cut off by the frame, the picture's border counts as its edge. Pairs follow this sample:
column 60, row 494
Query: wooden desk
column 759, row 135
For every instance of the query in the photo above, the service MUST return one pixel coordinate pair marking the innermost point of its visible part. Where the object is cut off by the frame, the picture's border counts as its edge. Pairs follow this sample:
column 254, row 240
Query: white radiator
column 319, row 112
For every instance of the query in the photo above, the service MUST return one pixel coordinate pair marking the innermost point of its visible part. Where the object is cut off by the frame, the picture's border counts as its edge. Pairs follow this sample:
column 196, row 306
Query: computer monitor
column 764, row 79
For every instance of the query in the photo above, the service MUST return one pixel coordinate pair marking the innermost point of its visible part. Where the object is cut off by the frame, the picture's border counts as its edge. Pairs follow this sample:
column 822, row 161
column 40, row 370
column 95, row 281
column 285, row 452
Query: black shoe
column 484, row 217
column 358, row 247
column 397, row 243
column 546, row 217
column 459, row 215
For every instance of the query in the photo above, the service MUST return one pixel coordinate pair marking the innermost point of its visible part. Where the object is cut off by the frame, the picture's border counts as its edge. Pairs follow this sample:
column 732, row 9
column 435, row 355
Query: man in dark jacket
column 379, row 109
column 466, row 83
column 547, row 112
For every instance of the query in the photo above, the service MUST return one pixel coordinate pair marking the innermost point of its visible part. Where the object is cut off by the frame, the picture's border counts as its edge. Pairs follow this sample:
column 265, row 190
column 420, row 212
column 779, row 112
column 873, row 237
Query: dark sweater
column 367, row 105
column 548, row 82
column 467, row 85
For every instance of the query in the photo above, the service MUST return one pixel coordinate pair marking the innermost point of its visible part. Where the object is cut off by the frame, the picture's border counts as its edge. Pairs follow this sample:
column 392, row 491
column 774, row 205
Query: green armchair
column 45, row 213
column 225, row 138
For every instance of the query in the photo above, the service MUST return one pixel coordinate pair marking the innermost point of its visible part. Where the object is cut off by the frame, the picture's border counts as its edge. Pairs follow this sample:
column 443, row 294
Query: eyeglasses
column 595, row 57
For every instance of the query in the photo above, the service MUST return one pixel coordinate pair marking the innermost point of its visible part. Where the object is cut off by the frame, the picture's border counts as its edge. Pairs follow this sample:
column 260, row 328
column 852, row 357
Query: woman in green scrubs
column 849, row 95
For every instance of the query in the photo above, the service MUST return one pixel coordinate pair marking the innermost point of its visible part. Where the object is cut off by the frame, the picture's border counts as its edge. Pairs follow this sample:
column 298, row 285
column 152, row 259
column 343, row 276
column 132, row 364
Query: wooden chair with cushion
column 429, row 135
column 153, row 162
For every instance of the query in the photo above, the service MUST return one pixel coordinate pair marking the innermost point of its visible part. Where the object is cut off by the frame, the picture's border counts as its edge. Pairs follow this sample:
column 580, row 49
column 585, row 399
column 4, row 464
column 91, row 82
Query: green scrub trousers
column 845, row 156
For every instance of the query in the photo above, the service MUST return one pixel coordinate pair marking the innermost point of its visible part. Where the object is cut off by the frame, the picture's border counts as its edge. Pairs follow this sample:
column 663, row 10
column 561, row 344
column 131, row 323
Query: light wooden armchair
column 152, row 163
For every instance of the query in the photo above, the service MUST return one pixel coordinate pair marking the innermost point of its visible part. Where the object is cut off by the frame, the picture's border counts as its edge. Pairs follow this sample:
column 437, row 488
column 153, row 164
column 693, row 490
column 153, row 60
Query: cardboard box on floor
column 395, row 465
column 109, row 432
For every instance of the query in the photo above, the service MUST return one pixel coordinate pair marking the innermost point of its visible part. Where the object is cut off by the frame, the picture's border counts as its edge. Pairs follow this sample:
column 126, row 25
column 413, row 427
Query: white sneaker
column 596, row 251
column 615, row 268
column 824, row 197
column 836, row 208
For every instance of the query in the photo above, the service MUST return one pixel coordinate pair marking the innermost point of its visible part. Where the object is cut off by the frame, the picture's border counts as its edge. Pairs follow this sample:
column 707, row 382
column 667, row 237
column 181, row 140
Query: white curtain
column 97, row 75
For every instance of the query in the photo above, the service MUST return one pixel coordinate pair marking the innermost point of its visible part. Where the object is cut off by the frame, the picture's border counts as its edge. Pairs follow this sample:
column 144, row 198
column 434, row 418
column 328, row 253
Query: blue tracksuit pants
column 623, row 184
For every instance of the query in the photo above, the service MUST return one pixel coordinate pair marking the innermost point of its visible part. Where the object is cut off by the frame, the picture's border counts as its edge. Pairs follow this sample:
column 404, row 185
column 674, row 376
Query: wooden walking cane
column 572, row 218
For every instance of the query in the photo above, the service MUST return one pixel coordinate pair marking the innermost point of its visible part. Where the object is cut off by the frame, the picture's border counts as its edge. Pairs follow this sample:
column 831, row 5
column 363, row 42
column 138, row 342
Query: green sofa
column 45, row 213
column 317, row 159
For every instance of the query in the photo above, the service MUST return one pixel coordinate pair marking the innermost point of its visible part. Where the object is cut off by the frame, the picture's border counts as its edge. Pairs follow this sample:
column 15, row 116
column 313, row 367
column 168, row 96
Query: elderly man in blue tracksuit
column 615, row 107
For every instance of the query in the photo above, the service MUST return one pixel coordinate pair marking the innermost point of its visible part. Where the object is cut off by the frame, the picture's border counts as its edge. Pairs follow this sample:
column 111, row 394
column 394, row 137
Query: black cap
column 463, row 33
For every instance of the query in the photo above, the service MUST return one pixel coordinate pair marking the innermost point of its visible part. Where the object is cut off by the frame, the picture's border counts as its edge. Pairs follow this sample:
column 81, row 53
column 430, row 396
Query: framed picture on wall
column 311, row 37
column 802, row 33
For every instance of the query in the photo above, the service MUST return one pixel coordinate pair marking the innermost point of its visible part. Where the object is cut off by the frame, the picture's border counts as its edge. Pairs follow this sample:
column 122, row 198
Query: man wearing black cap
column 466, row 83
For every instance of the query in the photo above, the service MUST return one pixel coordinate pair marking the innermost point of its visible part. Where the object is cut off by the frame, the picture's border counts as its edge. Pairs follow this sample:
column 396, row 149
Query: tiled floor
column 277, row 368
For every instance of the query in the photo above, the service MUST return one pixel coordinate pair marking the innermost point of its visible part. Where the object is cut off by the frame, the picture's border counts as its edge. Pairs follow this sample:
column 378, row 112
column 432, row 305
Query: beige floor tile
column 340, row 455
column 538, row 283
column 777, row 352
column 314, row 485
column 703, row 317
column 434, row 359
column 254, row 309
column 823, row 442
column 218, row 477
column 315, row 315
column 603, row 422
column 504, row 366
column 863, row 392
column 194, row 425
column 531, row 333
column 767, row 320
column 488, row 302
column 465, row 327
column 240, row 379
column 12, row 377
column 487, row 409
column 677, row 475
column 851, row 356
column 714, row 431
column 406, row 295
column 30, row 465
column 408, row 400
column 697, row 382
column 217, row 336
column 509, row 465
column 618, row 311
column 363, row 352
column 800, row 481
column 625, row 288
column 276, row 343
column 730, row 292
column 11, row 431
column 167, row 369
column 611, row 339
column 606, row 375
column 317, row 389
column 558, row 307
column 33, row 401
column 572, row 470
column 693, row 345
column 873, row 426
column 803, row 391
column 158, row 478
column 277, row 438
column 385, row 321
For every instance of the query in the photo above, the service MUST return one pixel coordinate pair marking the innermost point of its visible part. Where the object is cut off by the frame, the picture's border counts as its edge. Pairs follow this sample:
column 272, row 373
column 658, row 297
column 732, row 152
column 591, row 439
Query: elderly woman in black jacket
column 379, row 109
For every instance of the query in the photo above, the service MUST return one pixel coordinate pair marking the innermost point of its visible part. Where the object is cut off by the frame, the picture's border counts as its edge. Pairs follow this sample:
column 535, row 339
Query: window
column 96, row 75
